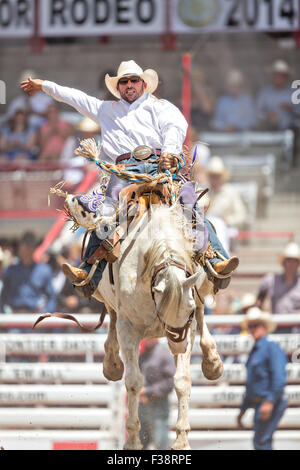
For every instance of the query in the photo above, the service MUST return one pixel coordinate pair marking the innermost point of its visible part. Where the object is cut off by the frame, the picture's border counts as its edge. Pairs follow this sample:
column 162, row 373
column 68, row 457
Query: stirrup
column 90, row 275
column 213, row 272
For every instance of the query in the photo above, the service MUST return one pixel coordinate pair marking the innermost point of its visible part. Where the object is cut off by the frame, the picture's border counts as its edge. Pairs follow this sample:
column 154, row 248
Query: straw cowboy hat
column 280, row 66
column 235, row 78
column 248, row 300
column 292, row 250
column 88, row 125
column 130, row 68
column 217, row 167
column 256, row 315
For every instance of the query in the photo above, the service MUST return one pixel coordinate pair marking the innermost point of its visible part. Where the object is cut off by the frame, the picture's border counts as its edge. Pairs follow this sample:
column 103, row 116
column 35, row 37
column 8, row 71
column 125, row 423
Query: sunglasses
column 124, row 81
column 253, row 326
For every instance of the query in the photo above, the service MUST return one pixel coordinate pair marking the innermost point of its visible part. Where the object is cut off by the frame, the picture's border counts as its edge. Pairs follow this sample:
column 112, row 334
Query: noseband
column 177, row 335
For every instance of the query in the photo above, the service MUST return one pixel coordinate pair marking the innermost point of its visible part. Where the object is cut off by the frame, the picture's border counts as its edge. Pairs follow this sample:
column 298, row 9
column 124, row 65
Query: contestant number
column 258, row 14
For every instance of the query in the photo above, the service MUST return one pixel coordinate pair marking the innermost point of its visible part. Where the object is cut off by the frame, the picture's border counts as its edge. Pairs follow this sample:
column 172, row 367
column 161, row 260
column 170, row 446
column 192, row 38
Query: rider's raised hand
column 32, row 85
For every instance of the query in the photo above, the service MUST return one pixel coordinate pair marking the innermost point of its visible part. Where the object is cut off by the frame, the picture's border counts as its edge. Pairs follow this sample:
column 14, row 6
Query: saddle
column 135, row 200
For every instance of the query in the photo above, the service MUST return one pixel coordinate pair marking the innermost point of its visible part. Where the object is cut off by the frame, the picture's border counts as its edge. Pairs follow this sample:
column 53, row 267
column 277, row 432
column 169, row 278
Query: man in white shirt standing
column 137, row 119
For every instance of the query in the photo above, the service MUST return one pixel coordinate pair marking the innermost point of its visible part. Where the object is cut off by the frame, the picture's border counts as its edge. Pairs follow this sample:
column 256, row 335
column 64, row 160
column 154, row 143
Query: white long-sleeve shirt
column 147, row 121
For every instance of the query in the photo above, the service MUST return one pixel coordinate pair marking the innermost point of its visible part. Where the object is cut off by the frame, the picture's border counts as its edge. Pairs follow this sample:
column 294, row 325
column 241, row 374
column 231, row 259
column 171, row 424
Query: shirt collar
column 260, row 342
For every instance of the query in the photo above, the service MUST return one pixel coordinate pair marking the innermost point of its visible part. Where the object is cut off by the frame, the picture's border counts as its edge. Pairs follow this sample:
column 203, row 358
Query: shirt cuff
column 46, row 86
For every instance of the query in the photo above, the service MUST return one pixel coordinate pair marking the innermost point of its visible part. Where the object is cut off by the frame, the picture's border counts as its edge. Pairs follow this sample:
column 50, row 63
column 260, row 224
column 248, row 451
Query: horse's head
column 174, row 294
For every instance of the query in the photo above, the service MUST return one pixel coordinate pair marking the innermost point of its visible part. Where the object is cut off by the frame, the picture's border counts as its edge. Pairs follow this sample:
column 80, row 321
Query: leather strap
column 125, row 156
column 177, row 335
column 67, row 316
column 109, row 249
column 162, row 266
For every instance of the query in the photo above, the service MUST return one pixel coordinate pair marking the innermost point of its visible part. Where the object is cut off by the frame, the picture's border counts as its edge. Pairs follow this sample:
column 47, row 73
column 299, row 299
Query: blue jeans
column 154, row 419
column 112, row 194
column 264, row 430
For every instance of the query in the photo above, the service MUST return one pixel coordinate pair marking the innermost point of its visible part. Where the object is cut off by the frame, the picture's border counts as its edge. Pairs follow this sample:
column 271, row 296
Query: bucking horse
column 153, row 289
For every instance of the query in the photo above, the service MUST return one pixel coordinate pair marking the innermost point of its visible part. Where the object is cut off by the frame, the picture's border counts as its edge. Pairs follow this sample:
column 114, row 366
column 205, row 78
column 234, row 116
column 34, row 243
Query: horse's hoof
column 181, row 443
column 212, row 370
column 113, row 372
column 133, row 446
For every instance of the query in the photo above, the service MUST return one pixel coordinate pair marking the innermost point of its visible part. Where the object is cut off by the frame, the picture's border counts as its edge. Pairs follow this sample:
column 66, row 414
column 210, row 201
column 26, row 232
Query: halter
column 177, row 335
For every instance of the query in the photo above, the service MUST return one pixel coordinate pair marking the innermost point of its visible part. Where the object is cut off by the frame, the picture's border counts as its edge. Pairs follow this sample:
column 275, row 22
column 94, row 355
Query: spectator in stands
column 224, row 201
column 53, row 135
column 247, row 301
column 158, row 369
column 266, row 379
column 18, row 139
column 67, row 299
column 274, row 106
column 203, row 101
column 27, row 285
column 283, row 290
column 235, row 109
column 37, row 105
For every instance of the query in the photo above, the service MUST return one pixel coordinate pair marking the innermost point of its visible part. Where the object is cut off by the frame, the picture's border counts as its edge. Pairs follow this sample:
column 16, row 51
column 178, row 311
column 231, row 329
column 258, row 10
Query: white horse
column 157, row 291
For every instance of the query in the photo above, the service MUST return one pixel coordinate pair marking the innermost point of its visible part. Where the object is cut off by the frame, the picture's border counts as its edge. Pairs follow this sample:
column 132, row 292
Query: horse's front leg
column 129, row 341
column 113, row 367
column 182, row 383
column 212, row 365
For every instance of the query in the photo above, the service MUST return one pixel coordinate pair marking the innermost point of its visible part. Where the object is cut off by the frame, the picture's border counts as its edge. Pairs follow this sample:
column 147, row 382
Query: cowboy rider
column 137, row 119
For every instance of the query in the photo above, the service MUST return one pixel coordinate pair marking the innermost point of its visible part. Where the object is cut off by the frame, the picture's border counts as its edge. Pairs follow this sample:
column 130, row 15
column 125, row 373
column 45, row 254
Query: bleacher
column 53, row 393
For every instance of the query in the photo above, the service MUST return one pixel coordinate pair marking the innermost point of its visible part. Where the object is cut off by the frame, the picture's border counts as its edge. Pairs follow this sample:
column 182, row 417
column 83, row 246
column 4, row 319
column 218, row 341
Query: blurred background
column 233, row 68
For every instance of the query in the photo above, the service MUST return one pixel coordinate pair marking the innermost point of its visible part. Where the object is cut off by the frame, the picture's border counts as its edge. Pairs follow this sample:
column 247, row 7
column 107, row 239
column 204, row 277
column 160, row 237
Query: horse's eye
column 83, row 214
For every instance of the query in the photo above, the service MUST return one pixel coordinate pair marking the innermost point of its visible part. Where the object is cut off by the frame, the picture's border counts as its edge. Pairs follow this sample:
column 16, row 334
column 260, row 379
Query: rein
column 177, row 335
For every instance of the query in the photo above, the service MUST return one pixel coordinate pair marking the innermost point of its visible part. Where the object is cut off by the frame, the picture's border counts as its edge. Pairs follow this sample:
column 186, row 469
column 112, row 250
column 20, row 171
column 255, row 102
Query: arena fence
column 53, row 394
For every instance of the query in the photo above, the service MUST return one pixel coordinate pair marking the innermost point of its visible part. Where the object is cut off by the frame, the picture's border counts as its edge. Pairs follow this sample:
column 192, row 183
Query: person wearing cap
column 235, row 109
column 27, row 286
column 283, row 290
column 224, row 201
column 274, row 104
column 136, row 119
column 266, row 379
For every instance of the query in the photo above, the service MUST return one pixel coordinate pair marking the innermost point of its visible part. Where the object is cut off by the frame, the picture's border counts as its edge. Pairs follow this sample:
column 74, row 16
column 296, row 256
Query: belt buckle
column 142, row 152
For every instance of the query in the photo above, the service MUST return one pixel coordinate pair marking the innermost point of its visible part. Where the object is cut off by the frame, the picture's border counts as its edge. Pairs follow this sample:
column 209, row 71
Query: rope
column 90, row 150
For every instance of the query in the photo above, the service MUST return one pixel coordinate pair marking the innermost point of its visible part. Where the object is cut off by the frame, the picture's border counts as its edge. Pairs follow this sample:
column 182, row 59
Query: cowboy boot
column 226, row 266
column 74, row 274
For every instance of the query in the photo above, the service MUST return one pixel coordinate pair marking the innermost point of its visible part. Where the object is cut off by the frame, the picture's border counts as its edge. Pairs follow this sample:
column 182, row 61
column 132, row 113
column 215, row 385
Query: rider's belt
column 140, row 153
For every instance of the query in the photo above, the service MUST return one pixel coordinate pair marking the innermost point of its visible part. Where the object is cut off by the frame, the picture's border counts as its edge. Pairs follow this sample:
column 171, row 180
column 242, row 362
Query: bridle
column 177, row 335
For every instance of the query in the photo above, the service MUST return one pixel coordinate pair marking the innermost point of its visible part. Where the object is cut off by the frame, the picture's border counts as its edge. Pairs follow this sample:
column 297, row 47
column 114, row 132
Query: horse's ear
column 191, row 281
column 160, row 287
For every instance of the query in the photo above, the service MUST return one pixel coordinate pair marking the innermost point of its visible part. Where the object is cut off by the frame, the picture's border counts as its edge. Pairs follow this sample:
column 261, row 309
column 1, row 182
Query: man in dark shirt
column 158, row 368
column 266, row 379
column 27, row 286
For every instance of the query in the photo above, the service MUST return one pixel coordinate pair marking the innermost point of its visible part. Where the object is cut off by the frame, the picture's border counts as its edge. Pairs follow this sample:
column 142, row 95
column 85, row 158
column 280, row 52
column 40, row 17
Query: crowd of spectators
column 34, row 129
column 237, row 108
column 27, row 286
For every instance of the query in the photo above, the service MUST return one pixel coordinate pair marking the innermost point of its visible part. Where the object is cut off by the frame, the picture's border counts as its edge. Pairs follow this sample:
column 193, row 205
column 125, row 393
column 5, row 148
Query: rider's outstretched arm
column 87, row 105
